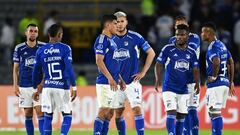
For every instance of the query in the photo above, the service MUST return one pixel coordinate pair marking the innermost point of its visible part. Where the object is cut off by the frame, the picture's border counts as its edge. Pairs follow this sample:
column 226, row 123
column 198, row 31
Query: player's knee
column 214, row 112
column 109, row 114
column 63, row 113
column 38, row 111
column 119, row 112
column 171, row 112
column 180, row 115
column 137, row 110
column 28, row 112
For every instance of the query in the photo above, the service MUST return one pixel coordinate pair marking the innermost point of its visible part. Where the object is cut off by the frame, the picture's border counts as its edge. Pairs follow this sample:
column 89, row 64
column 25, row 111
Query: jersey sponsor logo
column 182, row 65
column 30, row 61
column 121, row 54
column 51, row 51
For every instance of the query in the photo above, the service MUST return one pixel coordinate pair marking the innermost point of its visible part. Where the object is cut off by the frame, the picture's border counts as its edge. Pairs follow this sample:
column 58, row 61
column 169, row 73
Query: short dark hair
column 53, row 29
column 107, row 18
column 183, row 27
column 180, row 17
column 211, row 25
column 31, row 25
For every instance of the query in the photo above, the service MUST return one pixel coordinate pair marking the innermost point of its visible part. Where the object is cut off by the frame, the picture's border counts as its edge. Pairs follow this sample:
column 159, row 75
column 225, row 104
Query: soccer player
column 54, row 61
column 180, row 61
column 130, row 43
column 23, row 58
column 107, row 60
column 191, row 120
column 220, row 72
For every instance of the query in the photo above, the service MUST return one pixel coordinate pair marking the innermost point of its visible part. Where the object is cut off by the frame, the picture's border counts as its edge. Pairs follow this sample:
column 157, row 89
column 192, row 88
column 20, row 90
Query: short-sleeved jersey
column 55, row 61
column 24, row 56
column 129, row 48
column 108, row 48
column 217, row 49
column 194, row 43
column 178, row 65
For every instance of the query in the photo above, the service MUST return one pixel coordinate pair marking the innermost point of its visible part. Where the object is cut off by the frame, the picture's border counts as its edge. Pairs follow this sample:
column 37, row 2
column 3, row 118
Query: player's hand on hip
column 113, row 84
column 231, row 90
column 211, row 79
column 157, row 86
column 17, row 91
column 73, row 95
column 35, row 96
column 138, row 76
column 197, row 88
column 122, row 85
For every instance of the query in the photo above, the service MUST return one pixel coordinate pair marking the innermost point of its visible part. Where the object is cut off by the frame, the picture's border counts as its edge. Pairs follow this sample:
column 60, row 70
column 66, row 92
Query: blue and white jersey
column 129, row 46
column 108, row 48
column 24, row 56
column 178, row 65
column 219, row 50
column 194, row 43
column 55, row 61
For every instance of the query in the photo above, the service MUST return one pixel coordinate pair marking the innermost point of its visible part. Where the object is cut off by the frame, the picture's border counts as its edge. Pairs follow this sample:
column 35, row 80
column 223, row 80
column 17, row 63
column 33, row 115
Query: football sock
column 66, row 124
column 139, row 124
column 121, row 126
column 29, row 125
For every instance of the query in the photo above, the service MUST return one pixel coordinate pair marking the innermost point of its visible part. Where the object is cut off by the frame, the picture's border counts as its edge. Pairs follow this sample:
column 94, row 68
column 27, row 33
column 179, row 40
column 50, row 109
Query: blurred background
column 153, row 19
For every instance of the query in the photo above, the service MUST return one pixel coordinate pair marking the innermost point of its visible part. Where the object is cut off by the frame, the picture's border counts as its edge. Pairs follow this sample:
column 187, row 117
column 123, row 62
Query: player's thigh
column 119, row 99
column 169, row 100
column 222, row 95
column 182, row 103
column 62, row 100
column 25, row 98
column 193, row 97
column 216, row 97
column 105, row 95
column 46, row 101
column 134, row 94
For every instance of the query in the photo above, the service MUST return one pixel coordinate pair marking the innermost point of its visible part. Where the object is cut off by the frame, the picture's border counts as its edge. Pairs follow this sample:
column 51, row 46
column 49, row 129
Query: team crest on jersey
column 182, row 65
column 188, row 56
column 30, row 61
column 121, row 54
column 126, row 43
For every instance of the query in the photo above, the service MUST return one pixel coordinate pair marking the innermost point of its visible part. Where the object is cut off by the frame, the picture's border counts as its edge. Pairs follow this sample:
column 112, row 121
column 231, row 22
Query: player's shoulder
column 134, row 34
column 168, row 47
column 19, row 46
column 172, row 39
column 101, row 39
column 63, row 45
column 40, row 43
column 194, row 36
column 191, row 50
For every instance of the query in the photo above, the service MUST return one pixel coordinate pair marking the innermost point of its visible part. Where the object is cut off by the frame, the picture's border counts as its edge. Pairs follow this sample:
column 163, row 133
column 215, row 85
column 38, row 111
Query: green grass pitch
column 129, row 132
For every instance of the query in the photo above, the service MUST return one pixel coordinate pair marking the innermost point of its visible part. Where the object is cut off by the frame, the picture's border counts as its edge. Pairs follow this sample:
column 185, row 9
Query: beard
column 121, row 30
column 32, row 39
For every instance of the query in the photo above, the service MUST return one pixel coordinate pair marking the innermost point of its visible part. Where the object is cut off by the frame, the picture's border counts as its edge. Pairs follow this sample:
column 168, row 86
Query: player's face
column 205, row 33
column 182, row 37
column 121, row 23
column 60, row 34
column 31, row 33
column 113, row 27
column 178, row 22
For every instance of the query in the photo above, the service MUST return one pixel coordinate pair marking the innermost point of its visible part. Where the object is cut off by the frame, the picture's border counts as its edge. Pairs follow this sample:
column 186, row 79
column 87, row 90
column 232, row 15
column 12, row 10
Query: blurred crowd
column 155, row 24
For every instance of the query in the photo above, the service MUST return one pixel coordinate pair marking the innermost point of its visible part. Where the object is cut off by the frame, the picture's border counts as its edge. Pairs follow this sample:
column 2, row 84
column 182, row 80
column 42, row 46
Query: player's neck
column 214, row 38
column 31, row 43
column 181, row 47
column 107, row 33
column 53, row 40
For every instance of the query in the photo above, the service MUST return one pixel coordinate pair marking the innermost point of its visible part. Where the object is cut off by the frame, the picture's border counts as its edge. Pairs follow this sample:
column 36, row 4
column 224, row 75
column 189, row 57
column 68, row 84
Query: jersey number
column 224, row 68
column 51, row 70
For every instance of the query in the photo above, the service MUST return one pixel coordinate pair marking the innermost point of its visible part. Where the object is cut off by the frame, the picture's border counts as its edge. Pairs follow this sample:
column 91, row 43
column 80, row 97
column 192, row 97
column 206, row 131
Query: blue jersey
column 194, row 43
column 129, row 46
column 55, row 60
column 24, row 56
column 107, row 47
column 218, row 50
column 178, row 65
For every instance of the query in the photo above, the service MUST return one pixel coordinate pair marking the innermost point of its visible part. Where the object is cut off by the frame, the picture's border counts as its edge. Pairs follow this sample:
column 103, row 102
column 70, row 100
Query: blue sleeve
column 68, row 65
column 100, row 45
column 37, row 74
column 16, row 57
column 214, row 53
column 194, row 62
column 162, row 58
column 143, row 44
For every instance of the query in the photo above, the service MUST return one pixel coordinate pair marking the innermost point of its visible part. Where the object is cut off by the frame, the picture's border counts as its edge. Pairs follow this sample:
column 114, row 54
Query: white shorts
column 105, row 95
column 173, row 101
column 133, row 93
column 25, row 97
column 193, row 97
column 56, row 98
column 217, row 97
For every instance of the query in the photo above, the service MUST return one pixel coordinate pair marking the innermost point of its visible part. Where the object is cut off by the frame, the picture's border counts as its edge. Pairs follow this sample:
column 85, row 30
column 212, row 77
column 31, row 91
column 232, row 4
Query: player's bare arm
column 15, row 79
column 231, row 76
column 157, row 71
column 196, row 75
column 104, row 70
column 216, row 66
column 148, row 62
column 122, row 83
